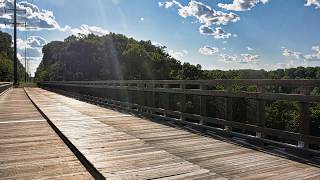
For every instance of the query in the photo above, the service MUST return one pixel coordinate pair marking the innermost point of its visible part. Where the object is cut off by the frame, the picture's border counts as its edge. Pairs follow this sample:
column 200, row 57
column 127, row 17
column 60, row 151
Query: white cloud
column 30, row 13
column 179, row 55
column 37, row 19
column 205, row 15
column 242, row 5
column 288, row 53
column 313, row 56
column 34, row 54
column 32, row 42
column 316, row 3
column 241, row 59
column 207, row 50
column 249, row 58
column 33, row 45
column 142, row 19
column 168, row 4
column 228, row 58
column 86, row 29
column 217, row 33
column 249, row 48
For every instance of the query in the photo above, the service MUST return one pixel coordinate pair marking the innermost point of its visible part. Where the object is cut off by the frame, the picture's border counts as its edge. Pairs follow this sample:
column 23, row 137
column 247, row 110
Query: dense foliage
column 6, row 59
column 109, row 57
column 114, row 56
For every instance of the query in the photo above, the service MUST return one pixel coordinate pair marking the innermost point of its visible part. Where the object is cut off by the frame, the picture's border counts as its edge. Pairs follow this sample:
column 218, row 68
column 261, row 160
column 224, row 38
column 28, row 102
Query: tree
column 6, row 59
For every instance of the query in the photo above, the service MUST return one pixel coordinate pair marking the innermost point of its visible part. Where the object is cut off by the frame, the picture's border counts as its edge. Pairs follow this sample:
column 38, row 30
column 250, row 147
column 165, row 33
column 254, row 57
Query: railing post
column 203, row 104
column 229, row 113
column 166, row 99
column 183, row 102
column 121, row 94
column 141, row 96
column 229, row 109
column 304, row 124
column 261, row 105
column 130, row 93
column 151, row 96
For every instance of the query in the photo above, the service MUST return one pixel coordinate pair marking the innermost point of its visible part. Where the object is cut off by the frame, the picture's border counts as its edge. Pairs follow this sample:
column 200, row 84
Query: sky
column 217, row 34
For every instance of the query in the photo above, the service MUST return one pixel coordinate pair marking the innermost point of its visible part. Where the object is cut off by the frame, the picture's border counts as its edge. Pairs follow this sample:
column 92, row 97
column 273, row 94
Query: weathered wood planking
column 29, row 148
column 115, row 154
column 225, row 159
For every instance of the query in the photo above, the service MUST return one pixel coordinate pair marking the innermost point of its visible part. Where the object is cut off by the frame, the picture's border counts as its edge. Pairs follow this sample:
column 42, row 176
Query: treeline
column 114, row 57
column 6, row 59
column 291, row 73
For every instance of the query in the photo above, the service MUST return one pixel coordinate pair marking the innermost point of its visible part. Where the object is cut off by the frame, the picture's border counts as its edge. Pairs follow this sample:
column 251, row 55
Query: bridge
column 156, row 130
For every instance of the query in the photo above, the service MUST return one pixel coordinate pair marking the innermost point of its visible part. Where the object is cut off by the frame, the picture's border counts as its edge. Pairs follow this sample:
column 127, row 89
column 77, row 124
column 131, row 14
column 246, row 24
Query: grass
column 27, row 84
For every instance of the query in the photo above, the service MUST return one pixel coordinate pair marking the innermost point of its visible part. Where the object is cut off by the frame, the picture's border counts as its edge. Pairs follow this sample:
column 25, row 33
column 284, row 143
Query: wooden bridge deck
column 122, row 146
column 29, row 148
column 113, row 153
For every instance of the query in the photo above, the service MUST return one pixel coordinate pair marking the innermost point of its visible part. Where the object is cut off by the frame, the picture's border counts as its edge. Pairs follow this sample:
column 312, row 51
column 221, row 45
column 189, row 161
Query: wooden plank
column 29, row 148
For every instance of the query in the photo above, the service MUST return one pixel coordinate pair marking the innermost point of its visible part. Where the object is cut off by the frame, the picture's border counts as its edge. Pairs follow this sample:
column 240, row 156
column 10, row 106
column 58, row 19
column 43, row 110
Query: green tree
column 6, row 59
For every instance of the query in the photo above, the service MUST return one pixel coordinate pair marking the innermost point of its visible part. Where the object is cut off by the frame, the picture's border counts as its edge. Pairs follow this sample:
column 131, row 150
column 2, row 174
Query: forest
column 114, row 57
column 6, row 59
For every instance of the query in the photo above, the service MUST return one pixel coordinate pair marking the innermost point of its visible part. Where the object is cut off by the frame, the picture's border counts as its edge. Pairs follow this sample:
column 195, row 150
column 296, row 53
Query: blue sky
column 218, row 34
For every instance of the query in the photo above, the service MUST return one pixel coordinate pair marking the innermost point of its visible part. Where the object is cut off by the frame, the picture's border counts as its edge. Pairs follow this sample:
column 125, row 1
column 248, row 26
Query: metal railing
column 144, row 96
column 4, row 86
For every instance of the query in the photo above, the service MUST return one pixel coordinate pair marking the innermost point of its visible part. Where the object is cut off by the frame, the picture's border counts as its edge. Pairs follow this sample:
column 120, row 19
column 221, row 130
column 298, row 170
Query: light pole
column 15, row 66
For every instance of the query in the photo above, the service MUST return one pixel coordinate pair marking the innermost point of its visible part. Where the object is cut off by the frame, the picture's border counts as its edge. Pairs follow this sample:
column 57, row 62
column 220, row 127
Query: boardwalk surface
column 222, row 159
column 119, row 146
column 29, row 148
column 114, row 153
